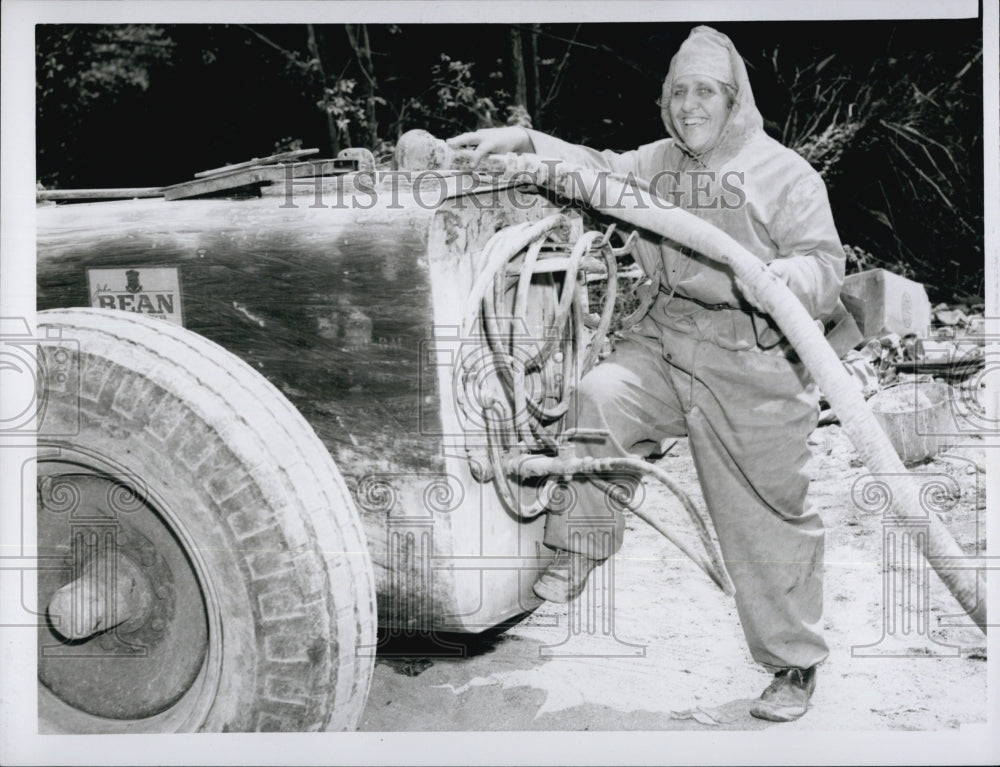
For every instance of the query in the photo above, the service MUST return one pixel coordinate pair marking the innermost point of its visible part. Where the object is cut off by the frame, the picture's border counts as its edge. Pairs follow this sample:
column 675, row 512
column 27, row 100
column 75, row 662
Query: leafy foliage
column 452, row 102
column 83, row 69
column 889, row 113
column 894, row 137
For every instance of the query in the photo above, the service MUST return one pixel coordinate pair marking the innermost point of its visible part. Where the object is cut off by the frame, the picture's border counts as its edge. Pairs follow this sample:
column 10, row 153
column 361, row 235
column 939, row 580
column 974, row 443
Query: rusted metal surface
column 330, row 305
column 350, row 302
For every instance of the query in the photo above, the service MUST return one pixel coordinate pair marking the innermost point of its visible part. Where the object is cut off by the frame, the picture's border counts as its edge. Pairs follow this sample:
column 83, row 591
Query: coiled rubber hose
column 522, row 431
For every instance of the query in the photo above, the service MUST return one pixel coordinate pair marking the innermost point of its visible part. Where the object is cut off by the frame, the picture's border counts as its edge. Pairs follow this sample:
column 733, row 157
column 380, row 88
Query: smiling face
column 699, row 107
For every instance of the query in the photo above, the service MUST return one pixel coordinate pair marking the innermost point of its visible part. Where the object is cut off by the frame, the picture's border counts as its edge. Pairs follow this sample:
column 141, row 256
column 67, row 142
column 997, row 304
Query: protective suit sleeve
column 614, row 162
column 808, row 245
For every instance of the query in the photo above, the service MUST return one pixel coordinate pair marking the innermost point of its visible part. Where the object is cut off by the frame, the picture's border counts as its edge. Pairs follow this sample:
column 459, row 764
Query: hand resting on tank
column 487, row 141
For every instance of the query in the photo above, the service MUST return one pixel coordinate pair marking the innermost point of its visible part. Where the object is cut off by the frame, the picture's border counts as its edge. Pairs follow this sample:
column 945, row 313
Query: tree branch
column 292, row 56
column 557, row 76
column 331, row 124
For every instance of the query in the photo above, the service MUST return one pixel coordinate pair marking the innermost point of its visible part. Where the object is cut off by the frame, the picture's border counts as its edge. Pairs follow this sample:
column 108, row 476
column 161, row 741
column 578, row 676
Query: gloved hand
column 778, row 268
column 493, row 141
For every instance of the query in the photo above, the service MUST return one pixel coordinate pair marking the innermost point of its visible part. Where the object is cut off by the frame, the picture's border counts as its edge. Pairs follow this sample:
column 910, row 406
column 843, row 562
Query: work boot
column 565, row 577
column 787, row 697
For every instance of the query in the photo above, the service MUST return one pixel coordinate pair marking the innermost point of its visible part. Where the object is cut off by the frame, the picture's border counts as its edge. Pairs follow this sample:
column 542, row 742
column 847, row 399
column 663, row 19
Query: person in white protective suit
column 706, row 363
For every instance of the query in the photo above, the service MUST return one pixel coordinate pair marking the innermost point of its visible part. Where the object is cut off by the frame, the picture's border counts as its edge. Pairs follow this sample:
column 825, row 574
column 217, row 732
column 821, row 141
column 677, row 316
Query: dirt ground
column 665, row 650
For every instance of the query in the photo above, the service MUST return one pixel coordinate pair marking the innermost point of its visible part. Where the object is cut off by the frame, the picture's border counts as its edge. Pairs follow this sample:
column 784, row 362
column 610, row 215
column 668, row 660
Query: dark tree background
column 890, row 113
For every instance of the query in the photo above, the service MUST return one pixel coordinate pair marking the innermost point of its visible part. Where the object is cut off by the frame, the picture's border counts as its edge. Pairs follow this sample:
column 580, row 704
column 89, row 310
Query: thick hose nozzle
column 419, row 150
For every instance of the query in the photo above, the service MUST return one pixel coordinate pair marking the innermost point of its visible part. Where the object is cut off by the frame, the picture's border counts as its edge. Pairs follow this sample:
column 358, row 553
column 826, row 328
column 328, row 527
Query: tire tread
column 292, row 462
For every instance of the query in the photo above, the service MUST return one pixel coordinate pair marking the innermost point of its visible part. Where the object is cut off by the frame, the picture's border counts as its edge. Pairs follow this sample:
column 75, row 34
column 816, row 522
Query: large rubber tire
column 253, row 496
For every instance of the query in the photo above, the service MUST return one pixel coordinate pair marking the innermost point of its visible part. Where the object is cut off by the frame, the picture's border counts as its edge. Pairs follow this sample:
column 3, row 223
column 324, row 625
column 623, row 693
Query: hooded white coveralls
column 714, row 370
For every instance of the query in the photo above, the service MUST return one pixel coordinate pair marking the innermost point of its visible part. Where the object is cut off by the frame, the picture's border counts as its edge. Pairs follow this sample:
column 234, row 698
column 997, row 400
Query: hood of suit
column 710, row 53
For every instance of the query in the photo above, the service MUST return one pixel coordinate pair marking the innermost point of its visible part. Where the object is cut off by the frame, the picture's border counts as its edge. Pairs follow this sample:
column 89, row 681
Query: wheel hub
column 126, row 632
column 111, row 592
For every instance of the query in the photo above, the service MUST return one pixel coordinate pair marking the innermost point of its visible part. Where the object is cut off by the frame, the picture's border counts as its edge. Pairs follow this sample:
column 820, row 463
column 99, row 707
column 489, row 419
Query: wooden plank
column 257, row 176
column 256, row 161
column 125, row 193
